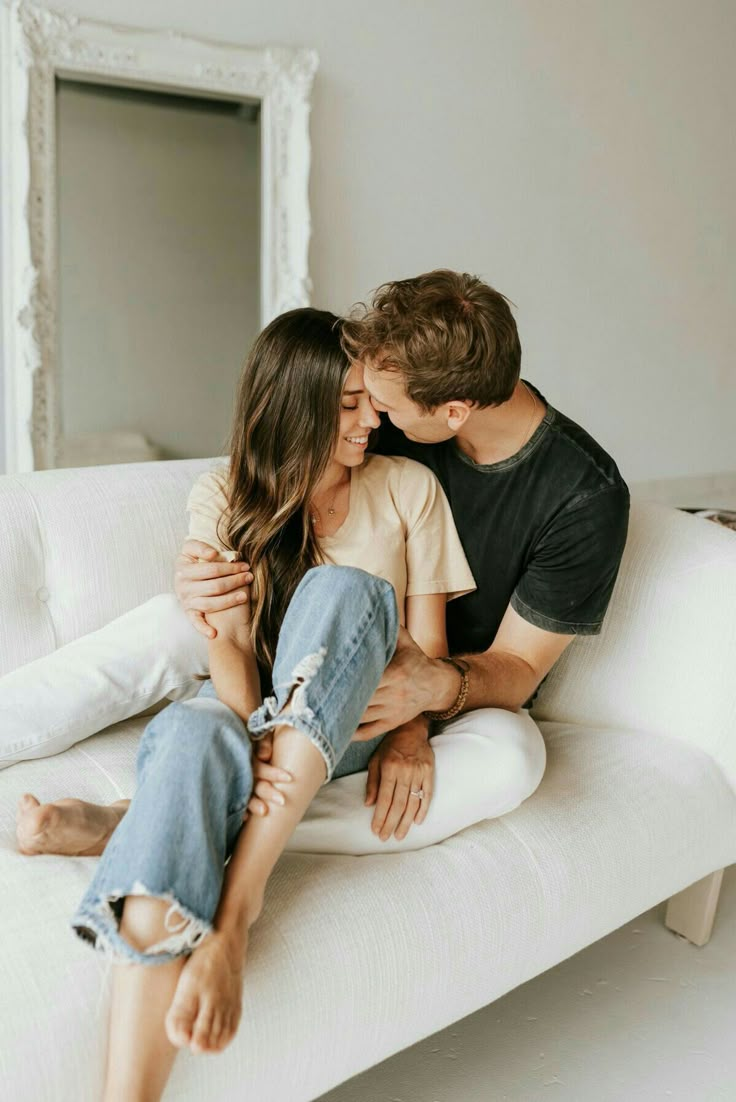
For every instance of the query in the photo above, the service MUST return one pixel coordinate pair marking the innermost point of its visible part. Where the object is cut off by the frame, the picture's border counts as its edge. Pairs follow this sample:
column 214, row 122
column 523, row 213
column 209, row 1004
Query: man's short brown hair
column 449, row 334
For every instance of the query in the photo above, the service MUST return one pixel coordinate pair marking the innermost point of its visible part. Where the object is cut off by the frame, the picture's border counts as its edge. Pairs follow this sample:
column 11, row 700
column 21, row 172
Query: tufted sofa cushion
column 80, row 547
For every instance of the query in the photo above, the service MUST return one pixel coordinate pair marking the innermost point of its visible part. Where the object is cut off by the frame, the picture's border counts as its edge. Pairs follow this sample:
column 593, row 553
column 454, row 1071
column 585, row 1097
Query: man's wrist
column 444, row 689
column 458, row 703
column 419, row 727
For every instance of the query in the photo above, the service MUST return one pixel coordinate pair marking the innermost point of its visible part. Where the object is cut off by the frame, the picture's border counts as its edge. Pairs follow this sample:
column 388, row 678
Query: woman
column 342, row 548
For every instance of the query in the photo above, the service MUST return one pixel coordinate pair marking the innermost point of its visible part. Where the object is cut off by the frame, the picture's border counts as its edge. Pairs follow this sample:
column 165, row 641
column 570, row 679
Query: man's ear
column 457, row 414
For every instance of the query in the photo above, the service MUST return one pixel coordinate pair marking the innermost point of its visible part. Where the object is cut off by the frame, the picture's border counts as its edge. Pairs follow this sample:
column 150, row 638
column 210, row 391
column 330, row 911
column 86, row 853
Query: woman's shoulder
column 406, row 485
column 208, row 509
column 397, row 468
column 209, row 487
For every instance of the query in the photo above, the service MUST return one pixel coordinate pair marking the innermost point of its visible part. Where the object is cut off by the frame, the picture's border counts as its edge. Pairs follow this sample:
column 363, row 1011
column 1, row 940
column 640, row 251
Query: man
column 541, row 510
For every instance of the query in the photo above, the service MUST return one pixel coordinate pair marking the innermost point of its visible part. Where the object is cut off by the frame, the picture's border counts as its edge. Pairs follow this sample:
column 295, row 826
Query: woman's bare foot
column 71, row 827
column 205, row 1011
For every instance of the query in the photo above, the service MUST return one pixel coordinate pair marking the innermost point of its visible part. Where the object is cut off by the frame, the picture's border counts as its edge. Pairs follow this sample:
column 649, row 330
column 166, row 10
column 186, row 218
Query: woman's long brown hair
column 283, row 435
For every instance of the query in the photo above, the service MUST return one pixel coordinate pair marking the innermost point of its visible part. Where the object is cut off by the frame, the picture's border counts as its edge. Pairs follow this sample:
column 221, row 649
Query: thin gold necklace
column 314, row 514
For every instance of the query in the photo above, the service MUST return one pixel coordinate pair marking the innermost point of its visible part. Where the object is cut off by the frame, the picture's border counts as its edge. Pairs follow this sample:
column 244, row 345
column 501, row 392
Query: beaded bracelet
column 462, row 668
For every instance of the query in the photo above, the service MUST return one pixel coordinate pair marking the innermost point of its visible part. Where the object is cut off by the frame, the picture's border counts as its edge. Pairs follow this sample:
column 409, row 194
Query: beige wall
column 577, row 155
column 159, row 262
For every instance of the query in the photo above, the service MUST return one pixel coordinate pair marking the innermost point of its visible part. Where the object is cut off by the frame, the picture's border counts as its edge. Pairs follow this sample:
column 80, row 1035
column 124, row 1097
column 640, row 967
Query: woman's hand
column 266, row 777
column 209, row 586
column 402, row 763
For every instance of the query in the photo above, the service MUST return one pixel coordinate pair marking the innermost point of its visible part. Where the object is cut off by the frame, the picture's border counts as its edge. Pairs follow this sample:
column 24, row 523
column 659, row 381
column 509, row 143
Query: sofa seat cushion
column 619, row 822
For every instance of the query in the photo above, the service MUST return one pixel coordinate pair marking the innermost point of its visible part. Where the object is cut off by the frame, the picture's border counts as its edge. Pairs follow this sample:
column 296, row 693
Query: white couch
column 355, row 958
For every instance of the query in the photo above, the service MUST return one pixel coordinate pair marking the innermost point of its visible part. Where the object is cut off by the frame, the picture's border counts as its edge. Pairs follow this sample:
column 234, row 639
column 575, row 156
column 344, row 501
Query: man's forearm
column 499, row 680
column 496, row 679
column 505, row 676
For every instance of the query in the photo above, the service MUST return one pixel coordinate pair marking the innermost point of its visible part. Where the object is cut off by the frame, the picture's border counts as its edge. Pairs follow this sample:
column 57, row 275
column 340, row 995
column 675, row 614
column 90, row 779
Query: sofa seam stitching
column 44, row 557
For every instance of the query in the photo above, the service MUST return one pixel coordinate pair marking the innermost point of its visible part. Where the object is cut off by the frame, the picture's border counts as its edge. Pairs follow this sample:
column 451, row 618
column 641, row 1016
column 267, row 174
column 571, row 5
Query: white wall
column 579, row 156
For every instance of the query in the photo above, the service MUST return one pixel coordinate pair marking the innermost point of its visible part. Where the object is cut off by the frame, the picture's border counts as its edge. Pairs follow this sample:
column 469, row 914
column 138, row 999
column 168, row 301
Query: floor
column 640, row 1016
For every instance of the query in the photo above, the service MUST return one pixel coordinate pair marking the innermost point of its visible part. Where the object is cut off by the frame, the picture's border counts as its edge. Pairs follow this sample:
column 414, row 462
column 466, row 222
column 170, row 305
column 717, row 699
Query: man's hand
column 266, row 778
column 411, row 684
column 210, row 586
column 402, row 763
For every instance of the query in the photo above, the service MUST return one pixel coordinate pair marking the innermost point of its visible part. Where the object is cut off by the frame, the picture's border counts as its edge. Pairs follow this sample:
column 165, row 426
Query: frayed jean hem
column 260, row 722
column 298, row 715
column 96, row 923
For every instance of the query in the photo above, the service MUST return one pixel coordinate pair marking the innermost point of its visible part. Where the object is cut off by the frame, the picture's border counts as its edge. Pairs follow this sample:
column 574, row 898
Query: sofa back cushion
column 665, row 661
column 79, row 547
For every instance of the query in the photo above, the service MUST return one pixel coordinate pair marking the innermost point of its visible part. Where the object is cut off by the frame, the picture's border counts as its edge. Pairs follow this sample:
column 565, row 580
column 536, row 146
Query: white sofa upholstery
column 355, row 958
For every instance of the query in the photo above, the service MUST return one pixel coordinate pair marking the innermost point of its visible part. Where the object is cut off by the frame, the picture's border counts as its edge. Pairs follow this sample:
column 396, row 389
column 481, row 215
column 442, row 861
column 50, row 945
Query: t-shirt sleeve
column 435, row 560
column 206, row 504
column 569, row 578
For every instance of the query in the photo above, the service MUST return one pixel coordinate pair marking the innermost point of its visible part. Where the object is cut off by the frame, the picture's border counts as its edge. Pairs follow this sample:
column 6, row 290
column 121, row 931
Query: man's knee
column 167, row 624
column 168, row 618
column 513, row 746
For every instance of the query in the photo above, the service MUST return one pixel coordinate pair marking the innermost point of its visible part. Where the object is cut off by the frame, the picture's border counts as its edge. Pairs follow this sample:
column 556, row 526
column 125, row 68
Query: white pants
column 487, row 762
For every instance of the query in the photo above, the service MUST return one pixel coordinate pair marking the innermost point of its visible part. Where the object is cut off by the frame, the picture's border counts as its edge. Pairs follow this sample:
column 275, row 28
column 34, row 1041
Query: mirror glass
column 158, row 269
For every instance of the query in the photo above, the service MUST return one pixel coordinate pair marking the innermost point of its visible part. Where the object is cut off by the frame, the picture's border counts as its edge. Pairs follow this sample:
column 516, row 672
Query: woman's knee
column 329, row 596
column 339, row 582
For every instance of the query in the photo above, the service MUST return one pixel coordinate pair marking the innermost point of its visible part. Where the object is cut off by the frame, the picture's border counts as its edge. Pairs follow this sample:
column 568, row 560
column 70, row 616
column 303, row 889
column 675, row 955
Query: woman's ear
column 457, row 414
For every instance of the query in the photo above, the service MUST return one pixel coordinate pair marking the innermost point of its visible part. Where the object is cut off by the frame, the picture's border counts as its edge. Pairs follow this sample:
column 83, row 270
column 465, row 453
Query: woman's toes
column 220, row 1035
column 201, row 1034
column 181, row 1017
column 230, row 1029
column 215, row 1032
column 31, row 823
column 27, row 814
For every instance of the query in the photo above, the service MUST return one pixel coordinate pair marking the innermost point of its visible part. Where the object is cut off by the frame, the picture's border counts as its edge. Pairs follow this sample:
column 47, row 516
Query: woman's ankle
column 237, row 918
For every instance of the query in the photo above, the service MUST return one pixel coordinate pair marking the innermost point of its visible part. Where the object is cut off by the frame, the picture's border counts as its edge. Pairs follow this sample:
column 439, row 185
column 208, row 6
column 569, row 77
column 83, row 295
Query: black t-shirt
column 543, row 530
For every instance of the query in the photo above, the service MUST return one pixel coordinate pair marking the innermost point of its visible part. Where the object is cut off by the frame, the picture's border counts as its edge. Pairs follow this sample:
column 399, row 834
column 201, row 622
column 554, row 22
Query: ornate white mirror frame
column 39, row 45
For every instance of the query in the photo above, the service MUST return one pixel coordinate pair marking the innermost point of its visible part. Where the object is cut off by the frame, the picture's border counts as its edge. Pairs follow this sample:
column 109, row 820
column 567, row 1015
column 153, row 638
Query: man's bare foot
column 205, row 1011
column 71, row 827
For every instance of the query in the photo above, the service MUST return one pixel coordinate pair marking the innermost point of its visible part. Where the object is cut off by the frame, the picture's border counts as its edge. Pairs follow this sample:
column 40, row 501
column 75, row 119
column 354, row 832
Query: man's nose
column 370, row 418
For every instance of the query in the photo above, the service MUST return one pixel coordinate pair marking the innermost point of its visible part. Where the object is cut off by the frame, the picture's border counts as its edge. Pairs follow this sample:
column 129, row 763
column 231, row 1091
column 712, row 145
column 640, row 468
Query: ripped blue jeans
column 194, row 771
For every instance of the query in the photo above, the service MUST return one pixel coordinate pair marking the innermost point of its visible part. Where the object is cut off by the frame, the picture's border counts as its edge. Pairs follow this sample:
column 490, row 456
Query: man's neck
column 498, row 432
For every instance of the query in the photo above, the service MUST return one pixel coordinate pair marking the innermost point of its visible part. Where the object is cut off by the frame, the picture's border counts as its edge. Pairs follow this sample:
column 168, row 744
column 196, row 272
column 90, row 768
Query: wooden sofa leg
column 691, row 913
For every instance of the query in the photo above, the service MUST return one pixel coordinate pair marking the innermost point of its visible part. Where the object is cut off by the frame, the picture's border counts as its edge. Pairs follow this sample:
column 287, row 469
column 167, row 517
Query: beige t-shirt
column 399, row 526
